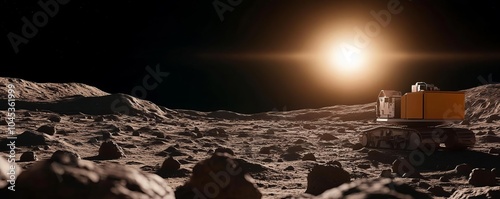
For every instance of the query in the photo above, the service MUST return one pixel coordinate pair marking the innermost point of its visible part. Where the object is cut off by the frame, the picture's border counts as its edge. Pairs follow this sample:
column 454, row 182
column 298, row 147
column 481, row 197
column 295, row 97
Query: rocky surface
column 322, row 178
column 282, row 154
column 66, row 176
column 476, row 193
column 378, row 188
column 219, row 177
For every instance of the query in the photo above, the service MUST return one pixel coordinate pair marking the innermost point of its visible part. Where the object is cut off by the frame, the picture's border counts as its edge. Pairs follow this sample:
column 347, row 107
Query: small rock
column 267, row 160
column 492, row 118
column 36, row 148
column 99, row 119
column 136, row 133
column 386, row 173
column 113, row 128
column 463, row 169
column 158, row 134
column 144, row 129
column 444, row 179
column 219, row 172
column 198, row 134
column 438, row 191
column 378, row 156
column 322, row 178
column 413, row 174
column 327, row 137
column 309, row 156
column 289, row 168
column 55, row 118
column 112, row 117
column 477, row 193
column 224, row 150
column 299, row 141
column 270, row 149
column 400, row 166
column 269, row 132
column 374, row 188
column 481, row 177
column 110, row 150
column 93, row 141
column 128, row 128
column 295, row 149
column 490, row 139
column 27, row 138
column 172, row 151
column 64, row 176
column 217, row 132
column 363, row 166
column 47, row 129
column 291, row 156
column 495, row 172
column 265, row 150
column 251, row 167
column 357, row 146
column 334, row 163
column 106, row 135
column 494, row 151
column 169, row 166
column 65, row 156
column 423, row 185
column 28, row 157
column 309, row 126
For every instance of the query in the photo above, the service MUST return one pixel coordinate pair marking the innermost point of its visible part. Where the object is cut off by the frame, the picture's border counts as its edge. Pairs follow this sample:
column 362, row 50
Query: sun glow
column 347, row 62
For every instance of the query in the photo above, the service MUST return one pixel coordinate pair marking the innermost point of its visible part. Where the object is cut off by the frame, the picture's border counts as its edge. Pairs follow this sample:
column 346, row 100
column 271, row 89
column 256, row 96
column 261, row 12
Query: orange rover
column 416, row 119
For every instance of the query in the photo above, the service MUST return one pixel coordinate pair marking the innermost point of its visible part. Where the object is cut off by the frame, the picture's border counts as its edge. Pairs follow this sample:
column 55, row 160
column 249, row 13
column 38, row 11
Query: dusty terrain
column 277, row 149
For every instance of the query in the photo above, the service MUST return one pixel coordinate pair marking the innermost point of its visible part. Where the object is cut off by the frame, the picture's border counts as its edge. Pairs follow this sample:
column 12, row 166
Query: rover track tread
column 407, row 138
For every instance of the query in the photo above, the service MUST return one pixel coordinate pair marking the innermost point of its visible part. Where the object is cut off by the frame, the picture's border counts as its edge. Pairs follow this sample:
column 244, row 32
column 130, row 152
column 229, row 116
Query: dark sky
column 241, row 63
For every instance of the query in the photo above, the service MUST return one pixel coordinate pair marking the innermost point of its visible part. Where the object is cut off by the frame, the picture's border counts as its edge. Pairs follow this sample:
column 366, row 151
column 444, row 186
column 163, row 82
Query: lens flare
column 347, row 62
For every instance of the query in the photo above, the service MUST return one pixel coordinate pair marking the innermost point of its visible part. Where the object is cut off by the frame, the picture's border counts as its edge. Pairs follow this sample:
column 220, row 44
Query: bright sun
column 346, row 62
